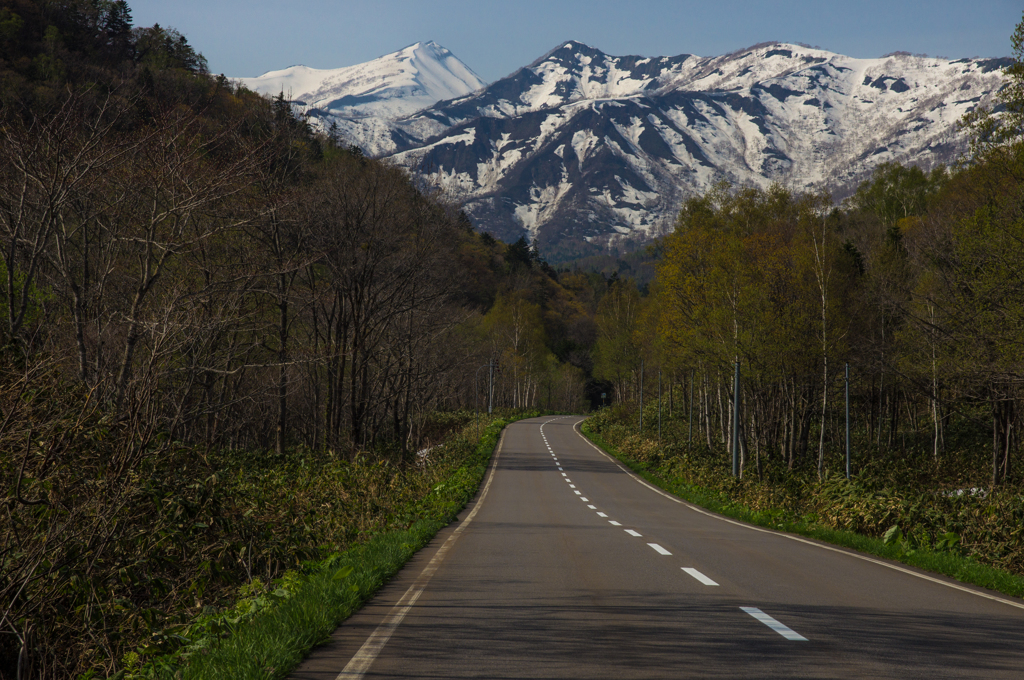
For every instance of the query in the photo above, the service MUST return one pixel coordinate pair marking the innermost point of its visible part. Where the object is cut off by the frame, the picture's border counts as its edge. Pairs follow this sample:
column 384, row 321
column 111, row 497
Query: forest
column 190, row 276
column 914, row 282
column 853, row 367
column 214, row 320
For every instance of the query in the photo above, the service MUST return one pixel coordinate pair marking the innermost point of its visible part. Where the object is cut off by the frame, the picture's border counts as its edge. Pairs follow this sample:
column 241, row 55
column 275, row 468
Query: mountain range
column 581, row 151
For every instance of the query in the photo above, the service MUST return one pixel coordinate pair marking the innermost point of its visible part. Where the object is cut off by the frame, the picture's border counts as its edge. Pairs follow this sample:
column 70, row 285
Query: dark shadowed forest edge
column 236, row 355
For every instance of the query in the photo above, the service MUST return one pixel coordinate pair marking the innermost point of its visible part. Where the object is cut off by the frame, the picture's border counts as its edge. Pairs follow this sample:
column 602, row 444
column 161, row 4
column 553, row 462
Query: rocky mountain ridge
column 581, row 150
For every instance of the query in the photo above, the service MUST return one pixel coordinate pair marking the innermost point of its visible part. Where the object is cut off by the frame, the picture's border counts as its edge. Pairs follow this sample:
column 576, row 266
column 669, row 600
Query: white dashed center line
column 657, row 548
column 614, row 523
column 632, row 533
column 585, row 500
column 564, row 475
column 781, row 629
column 571, row 486
column 699, row 576
column 592, row 507
column 601, row 514
column 577, row 493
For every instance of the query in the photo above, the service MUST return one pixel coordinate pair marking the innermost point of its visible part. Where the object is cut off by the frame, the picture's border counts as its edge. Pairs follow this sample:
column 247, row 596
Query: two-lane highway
column 567, row 566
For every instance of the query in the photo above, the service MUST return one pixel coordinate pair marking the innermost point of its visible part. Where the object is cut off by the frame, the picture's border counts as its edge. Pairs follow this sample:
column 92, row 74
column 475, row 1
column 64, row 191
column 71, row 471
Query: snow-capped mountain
column 583, row 146
column 365, row 98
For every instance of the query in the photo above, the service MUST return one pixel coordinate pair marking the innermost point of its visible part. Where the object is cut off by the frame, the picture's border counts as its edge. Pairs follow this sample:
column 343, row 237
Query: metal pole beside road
column 691, row 408
column 641, row 396
column 736, row 423
column 476, row 395
column 847, row 420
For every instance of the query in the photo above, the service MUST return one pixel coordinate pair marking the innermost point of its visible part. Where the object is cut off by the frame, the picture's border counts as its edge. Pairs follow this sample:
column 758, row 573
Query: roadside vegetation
column 274, row 621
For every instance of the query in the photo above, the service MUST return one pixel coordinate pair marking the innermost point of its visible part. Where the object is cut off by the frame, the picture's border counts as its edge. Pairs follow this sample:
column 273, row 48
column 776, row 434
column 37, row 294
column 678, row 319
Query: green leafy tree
column 617, row 352
column 515, row 329
column 993, row 129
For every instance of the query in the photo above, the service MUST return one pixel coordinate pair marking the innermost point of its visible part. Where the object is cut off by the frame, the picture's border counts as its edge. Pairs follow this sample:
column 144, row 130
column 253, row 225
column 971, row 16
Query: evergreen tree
column 519, row 254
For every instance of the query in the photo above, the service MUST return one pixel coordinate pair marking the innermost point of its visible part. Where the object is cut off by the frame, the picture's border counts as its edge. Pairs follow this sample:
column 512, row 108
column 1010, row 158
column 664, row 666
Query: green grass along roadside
column 265, row 635
column 963, row 569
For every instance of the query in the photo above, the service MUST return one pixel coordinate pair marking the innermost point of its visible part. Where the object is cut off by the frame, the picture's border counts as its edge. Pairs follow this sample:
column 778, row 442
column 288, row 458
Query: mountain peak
column 576, row 45
column 428, row 46
column 567, row 50
column 389, row 87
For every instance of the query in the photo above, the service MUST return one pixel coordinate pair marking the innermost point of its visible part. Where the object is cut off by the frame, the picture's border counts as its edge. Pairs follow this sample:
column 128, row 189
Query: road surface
column 568, row 566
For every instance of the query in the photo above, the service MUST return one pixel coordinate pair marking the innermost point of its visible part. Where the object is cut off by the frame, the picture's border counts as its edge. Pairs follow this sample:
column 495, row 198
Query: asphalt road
column 567, row 566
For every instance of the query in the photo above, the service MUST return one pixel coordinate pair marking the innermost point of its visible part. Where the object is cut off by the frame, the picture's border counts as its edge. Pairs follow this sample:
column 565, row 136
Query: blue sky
column 249, row 37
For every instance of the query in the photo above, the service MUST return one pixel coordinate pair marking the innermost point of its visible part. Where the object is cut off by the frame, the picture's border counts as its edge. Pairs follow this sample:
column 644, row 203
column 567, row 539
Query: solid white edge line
column 780, row 628
column 359, row 664
column 699, row 576
column 799, row 539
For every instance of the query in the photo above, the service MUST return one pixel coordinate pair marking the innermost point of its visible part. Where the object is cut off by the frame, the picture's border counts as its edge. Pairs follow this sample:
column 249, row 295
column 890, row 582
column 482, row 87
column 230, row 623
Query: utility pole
column 847, row 420
column 476, row 395
column 736, row 422
column 691, row 407
column 641, row 396
column 671, row 394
